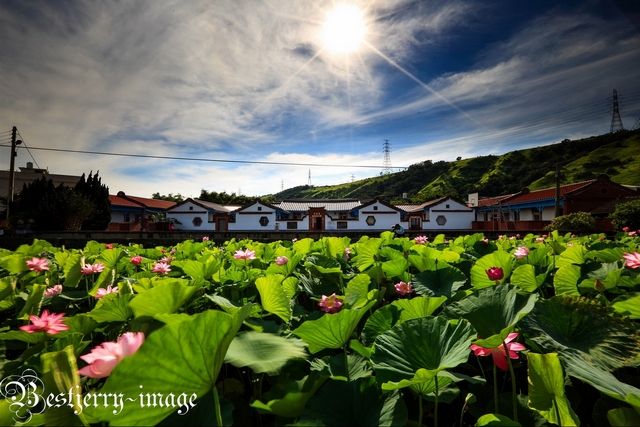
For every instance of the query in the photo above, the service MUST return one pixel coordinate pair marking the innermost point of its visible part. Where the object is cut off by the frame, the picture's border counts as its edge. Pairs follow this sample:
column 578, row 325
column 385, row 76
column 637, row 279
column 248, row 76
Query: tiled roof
column 547, row 193
column 328, row 205
column 121, row 201
column 421, row 206
column 490, row 201
column 211, row 205
column 153, row 203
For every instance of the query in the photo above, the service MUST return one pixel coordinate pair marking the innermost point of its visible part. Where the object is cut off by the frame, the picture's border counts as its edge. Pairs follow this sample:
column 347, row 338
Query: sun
column 344, row 29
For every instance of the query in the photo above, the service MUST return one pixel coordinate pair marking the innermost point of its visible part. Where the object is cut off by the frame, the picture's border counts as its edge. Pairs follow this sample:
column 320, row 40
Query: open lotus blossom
column 330, row 304
column 420, row 240
column 499, row 355
column 49, row 323
column 205, row 238
column 53, row 291
column 282, row 260
column 495, row 273
column 521, row 252
column 107, row 355
column 136, row 260
column 161, row 267
column 38, row 264
column 92, row 268
column 248, row 254
column 625, row 229
column 347, row 252
column 632, row 233
column 633, row 260
column 539, row 239
column 102, row 291
column 108, row 246
column 403, row 288
column 166, row 259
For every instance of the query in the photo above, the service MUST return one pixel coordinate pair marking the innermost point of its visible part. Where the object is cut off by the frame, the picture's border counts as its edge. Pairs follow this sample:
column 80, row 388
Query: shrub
column 627, row 215
column 579, row 221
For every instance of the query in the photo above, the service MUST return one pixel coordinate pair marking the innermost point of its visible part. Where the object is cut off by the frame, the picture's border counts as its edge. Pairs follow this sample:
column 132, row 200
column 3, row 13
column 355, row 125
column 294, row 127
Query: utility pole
column 558, row 211
column 12, row 166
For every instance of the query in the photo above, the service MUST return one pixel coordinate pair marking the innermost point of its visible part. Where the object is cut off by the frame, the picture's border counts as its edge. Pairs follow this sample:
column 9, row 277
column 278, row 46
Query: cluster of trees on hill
column 85, row 206
column 222, row 198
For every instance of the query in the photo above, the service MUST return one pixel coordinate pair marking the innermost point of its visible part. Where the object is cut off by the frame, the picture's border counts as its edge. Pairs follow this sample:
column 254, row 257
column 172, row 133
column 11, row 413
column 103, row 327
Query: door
column 221, row 224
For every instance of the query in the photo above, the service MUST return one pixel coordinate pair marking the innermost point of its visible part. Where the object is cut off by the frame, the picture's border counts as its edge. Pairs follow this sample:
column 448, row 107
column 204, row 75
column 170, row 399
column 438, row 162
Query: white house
column 445, row 213
column 200, row 215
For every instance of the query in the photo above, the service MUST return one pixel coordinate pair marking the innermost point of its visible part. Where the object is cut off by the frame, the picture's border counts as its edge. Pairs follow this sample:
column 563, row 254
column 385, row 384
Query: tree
column 627, row 215
column 579, row 221
column 170, row 197
column 98, row 194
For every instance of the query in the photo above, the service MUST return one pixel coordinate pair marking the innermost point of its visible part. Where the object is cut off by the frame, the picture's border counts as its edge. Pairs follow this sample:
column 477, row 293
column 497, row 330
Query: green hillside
column 616, row 155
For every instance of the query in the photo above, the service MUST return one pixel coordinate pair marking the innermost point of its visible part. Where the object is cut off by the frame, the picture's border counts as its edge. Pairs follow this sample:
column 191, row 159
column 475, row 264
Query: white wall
column 249, row 218
column 385, row 218
column 186, row 213
column 458, row 216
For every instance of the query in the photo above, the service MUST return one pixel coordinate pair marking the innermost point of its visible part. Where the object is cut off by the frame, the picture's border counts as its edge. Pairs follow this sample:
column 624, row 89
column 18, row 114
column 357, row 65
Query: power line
column 196, row 159
column 29, row 151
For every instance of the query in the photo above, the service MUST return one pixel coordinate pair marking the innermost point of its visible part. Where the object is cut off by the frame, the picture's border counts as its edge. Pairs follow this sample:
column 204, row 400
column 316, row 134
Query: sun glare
column 344, row 29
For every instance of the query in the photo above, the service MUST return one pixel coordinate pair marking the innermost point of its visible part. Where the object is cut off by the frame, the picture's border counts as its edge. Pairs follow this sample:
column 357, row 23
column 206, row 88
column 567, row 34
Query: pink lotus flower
column 539, row 239
column 282, row 260
column 53, row 291
column 107, row 355
column 294, row 240
column 544, row 236
column 205, row 238
column 49, row 323
column 330, row 304
column 38, row 264
column 518, row 236
column 161, row 267
column 136, row 260
column 495, row 273
column 573, row 236
column 102, row 291
column 108, row 246
column 485, row 240
column 166, row 260
column 347, row 252
column 625, row 229
column 632, row 233
column 248, row 254
column 421, row 240
column 499, row 355
column 521, row 252
column 512, row 238
column 403, row 288
column 633, row 260
column 90, row 269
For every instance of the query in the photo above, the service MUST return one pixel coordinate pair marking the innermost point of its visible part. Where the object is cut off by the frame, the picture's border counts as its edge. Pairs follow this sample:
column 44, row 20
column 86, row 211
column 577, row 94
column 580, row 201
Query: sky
column 252, row 97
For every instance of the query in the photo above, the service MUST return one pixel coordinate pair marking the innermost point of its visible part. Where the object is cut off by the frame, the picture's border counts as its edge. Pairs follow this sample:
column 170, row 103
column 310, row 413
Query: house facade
column 445, row 213
column 132, row 213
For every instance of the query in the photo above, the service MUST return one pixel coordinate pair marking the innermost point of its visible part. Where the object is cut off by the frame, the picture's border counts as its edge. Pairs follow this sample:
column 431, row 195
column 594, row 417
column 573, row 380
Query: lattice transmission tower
column 386, row 163
column 637, row 125
column 616, row 121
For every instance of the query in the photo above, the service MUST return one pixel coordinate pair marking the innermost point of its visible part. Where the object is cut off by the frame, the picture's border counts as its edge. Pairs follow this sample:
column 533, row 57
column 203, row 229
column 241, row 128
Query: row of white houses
column 445, row 213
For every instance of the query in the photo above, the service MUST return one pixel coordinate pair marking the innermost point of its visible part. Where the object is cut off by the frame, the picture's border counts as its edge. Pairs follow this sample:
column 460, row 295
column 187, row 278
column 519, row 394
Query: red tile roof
column 547, row 193
column 122, row 199
column 153, row 203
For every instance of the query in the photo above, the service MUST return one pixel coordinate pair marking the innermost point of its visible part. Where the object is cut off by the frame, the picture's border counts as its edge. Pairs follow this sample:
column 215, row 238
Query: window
column 375, row 208
column 264, row 221
column 425, row 216
column 505, row 216
column 197, row 221
column 211, row 217
column 342, row 225
column 232, row 218
column 259, row 208
column 415, row 223
column 441, row 220
column 126, row 218
column 190, row 208
column 371, row 220
column 446, row 206
column 342, row 215
column 292, row 225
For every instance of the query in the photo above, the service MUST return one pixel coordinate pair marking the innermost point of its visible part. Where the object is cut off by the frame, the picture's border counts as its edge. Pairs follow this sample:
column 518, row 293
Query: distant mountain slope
column 616, row 155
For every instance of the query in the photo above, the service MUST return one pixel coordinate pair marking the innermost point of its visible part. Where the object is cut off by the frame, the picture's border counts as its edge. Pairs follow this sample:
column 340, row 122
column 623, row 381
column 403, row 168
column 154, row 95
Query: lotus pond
column 522, row 330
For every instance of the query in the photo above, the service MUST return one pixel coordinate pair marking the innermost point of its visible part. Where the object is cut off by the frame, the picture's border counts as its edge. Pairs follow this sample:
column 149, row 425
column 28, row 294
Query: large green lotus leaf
column 623, row 417
column 61, row 377
column 263, row 352
column 368, row 253
column 290, row 286
column 318, row 286
column 165, row 297
column 34, row 301
column 415, row 308
column 331, row 330
column 71, row 264
column 323, row 264
column 563, row 322
column 14, row 263
column 110, row 257
column 440, row 282
column 430, row 343
column 546, row 389
column 496, row 420
column 303, row 246
column 576, row 254
column 526, row 279
column 628, row 305
column 577, row 366
column 273, row 297
column 288, row 398
column 112, row 307
column 285, row 269
column 354, row 403
column 183, row 357
column 501, row 259
column 538, row 256
column 336, row 246
column 422, row 263
column 7, row 289
column 395, row 268
column 423, row 382
column 334, row 367
column 609, row 255
column 356, row 291
column 566, row 279
column 493, row 312
column 197, row 269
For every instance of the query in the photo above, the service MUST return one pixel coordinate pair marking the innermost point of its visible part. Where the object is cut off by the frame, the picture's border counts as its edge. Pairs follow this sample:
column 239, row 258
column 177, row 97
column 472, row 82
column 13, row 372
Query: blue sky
column 255, row 81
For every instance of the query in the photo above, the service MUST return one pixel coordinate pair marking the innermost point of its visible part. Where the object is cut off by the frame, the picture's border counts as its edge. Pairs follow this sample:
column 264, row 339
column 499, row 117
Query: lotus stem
column 514, row 398
column 420, row 414
column 495, row 388
column 216, row 404
column 435, row 410
column 346, row 363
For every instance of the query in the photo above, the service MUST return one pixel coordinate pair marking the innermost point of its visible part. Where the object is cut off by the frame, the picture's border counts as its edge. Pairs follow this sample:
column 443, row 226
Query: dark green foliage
column 579, row 221
column 170, row 197
column 224, row 198
column 627, row 215
column 98, row 195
